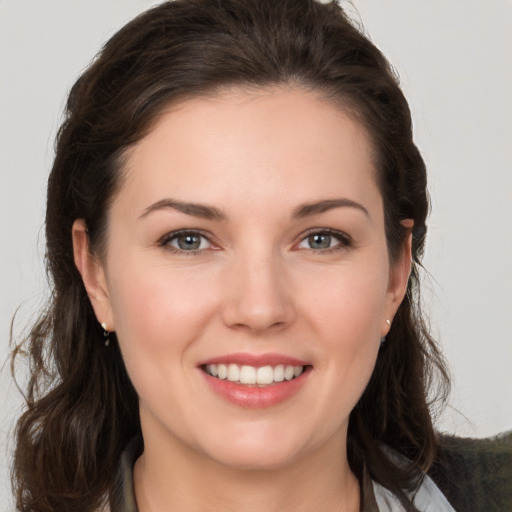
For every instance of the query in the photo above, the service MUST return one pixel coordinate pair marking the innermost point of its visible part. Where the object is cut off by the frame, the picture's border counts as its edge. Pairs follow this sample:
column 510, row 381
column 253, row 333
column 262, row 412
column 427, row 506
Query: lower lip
column 257, row 397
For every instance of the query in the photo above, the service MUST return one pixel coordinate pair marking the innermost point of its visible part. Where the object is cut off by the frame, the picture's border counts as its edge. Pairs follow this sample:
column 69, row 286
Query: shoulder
column 475, row 474
column 427, row 498
column 424, row 497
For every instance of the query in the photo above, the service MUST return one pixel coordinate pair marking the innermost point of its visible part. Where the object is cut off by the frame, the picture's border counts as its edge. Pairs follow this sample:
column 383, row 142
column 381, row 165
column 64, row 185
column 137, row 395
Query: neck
column 169, row 476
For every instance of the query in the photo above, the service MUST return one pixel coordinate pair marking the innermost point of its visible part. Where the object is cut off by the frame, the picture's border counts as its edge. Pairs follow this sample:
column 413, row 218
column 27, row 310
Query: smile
column 252, row 375
column 255, row 381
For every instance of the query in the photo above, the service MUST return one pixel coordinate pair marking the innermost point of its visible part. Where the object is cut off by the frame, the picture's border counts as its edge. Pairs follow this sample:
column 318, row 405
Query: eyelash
column 344, row 241
column 165, row 241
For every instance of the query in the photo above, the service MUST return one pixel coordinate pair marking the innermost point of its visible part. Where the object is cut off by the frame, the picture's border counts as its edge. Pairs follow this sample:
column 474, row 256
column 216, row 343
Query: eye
column 186, row 241
column 325, row 240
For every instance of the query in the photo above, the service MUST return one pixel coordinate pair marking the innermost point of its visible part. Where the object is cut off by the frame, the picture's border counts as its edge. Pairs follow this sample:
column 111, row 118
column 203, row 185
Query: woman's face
column 248, row 239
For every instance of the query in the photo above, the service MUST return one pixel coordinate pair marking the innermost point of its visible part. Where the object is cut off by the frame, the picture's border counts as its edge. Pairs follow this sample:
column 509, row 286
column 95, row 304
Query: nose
column 258, row 297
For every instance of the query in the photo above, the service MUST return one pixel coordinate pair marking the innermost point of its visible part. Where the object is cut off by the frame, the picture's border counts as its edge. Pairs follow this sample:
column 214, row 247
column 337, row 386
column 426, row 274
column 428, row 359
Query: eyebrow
column 308, row 209
column 194, row 209
column 212, row 213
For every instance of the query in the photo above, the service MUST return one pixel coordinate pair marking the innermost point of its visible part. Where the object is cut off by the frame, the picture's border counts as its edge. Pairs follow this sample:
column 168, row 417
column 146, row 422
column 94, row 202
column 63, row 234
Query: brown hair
column 81, row 407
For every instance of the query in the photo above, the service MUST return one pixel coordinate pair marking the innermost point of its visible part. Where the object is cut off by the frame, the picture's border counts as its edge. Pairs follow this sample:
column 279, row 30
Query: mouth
column 258, row 376
column 252, row 381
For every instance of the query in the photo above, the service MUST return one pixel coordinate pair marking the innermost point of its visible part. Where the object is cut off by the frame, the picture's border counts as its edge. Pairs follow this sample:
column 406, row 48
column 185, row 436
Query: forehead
column 251, row 146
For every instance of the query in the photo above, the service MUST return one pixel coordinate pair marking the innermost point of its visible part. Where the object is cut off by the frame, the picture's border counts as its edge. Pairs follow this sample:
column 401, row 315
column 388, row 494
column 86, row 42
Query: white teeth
column 222, row 371
column 279, row 373
column 248, row 375
column 265, row 375
column 233, row 373
column 262, row 376
column 288, row 372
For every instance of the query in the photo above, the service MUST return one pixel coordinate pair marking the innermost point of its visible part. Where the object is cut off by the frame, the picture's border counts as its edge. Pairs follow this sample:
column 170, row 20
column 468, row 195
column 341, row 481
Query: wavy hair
column 81, row 408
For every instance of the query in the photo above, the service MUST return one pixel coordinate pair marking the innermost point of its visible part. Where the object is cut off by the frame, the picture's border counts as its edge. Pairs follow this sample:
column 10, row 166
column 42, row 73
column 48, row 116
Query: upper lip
column 256, row 360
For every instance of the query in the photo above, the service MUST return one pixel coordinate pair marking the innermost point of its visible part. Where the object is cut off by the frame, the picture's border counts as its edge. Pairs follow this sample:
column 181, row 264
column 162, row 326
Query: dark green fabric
column 475, row 475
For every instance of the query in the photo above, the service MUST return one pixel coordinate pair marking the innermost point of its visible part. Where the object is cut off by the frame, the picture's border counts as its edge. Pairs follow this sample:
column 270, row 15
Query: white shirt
column 428, row 498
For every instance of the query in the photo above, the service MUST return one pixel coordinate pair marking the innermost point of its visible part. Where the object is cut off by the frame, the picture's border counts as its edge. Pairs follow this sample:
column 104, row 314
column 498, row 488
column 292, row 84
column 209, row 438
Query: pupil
column 320, row 241
column 188, row 242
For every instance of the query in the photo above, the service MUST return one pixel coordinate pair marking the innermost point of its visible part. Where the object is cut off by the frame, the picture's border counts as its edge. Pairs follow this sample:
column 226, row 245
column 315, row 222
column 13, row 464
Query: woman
column 235, row 218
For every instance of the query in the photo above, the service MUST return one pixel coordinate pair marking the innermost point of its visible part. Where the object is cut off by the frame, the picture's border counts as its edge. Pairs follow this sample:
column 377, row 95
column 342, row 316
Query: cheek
column 348, row 319
column 351, row 334
column 158, row 311
column 350, row 303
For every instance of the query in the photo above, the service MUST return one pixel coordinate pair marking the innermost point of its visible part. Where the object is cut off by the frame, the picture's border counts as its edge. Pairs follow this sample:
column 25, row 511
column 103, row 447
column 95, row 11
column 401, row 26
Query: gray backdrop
column 453, row 57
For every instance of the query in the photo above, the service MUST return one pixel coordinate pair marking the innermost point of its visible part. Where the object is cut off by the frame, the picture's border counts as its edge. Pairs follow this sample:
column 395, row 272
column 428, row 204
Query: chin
column 256, row 452
column 255, row 459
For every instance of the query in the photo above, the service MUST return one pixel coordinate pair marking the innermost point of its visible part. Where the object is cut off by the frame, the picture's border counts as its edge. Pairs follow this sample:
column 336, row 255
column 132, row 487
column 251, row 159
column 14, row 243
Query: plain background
column 453, row 58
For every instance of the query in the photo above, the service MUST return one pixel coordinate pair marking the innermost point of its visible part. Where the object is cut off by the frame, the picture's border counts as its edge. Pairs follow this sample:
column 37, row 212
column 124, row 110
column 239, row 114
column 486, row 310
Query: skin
column 255, row 286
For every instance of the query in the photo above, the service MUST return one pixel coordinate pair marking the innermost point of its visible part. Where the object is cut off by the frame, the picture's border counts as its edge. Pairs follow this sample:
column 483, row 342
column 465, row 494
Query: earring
column 383, row 339
column 106, row 334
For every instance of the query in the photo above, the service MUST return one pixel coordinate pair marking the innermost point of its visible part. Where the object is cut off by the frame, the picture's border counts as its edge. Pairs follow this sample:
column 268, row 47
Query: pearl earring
column 106, row 334
column 383, row 339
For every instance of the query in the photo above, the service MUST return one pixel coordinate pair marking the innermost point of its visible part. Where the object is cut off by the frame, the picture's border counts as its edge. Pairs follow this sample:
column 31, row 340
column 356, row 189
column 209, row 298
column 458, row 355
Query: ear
column 93, row 274
column 399, row 273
